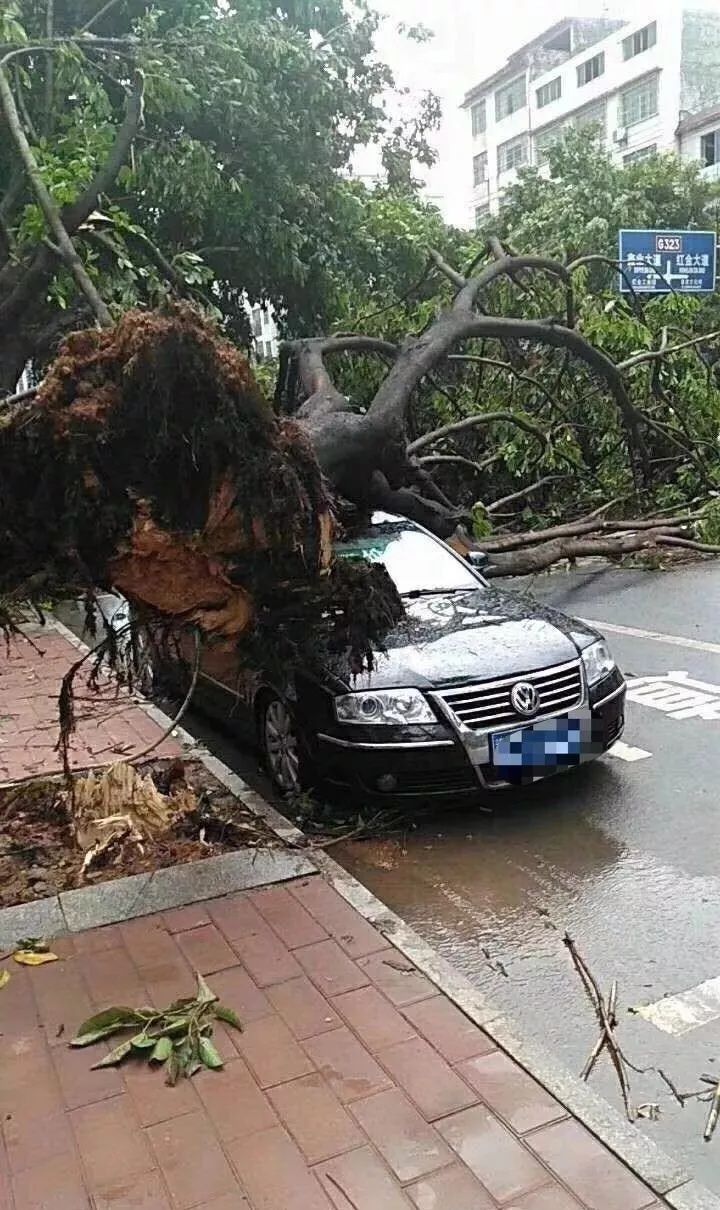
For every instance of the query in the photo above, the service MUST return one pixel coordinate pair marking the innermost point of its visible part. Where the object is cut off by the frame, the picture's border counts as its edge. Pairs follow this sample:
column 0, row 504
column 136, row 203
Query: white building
column 264, row 332
column 640, row 82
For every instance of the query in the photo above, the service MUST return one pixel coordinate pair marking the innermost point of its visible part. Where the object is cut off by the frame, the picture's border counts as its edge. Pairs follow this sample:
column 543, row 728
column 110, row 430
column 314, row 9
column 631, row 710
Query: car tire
column 286, row 760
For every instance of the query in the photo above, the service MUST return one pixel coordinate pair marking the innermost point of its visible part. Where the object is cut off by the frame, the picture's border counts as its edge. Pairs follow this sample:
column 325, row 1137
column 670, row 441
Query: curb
column 176, row 886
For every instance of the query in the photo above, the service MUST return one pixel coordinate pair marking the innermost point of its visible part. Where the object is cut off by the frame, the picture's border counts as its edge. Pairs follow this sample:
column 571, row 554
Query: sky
column 472, row 39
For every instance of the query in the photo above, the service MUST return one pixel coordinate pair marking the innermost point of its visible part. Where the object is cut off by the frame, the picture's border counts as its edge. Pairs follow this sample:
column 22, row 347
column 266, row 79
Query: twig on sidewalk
column 607, row 1021
column 336, row 1184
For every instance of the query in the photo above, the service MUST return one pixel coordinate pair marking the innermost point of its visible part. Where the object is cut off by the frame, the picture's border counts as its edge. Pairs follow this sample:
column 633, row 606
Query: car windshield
column 417, row 563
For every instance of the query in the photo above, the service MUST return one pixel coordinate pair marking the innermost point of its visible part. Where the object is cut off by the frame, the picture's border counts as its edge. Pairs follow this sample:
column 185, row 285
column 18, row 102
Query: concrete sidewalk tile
column 274, row 1174
column 235, row 1105
column 356, row 936
column 78, row 1084
column 265, row 956
column 511, row 1092
column 94, row 941
column 153, row 1100
column 373, row 1018
column 349, row 1068
column 272, row 1052
column 110, row 974
column 407, row 1142
column 206, row 949
column 330, row 968
column 551, row 1197
column 91, row 907
column 19, row 1007
column 359, row 1180
column 56, row 1184
column 453, row 1189
column 597, row 1178
column 302, row 1007
column 144, row 1192
column 235, row 915
column 229, row 1201
column 289, row 919
column 427, row 1079
column 32, row 1139
column 63, row 1001
column 111, row 1144
column 191, row 1160
column 315, row 1118
column 448, row 1029
column 500, row 1161
column 44, row 918
column 236, row 990
column 396, row 977
column 179, row 920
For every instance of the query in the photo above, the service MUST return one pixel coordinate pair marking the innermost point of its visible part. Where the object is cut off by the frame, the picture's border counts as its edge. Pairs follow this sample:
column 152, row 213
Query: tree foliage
column 236, row 181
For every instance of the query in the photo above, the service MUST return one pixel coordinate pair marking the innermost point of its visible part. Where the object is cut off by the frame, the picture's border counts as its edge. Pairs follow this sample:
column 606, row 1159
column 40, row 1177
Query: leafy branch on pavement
column 178, row 1037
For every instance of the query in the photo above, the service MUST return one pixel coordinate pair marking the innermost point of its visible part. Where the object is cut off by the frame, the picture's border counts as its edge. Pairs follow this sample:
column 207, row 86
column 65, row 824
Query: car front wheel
column 281, row 747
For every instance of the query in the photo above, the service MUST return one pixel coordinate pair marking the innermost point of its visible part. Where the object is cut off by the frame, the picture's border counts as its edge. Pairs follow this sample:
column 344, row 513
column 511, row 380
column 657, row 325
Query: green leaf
column 162, row 1050
column 228, row 1016
column 109, row 1016
column 209, row 1054
column 204, row 994
column 115, row 1056
column 142, row 1042
column 96, row 1035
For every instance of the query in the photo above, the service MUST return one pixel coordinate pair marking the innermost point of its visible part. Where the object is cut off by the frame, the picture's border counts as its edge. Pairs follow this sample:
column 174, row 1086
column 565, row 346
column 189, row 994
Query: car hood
column 450, row 638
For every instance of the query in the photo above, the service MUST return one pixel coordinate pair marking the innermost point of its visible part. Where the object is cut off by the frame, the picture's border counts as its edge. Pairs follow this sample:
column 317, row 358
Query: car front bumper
column 437, row 764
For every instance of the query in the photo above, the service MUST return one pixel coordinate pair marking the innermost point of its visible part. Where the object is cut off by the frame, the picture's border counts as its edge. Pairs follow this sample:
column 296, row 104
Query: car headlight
column 390, row 706
column 598, row 662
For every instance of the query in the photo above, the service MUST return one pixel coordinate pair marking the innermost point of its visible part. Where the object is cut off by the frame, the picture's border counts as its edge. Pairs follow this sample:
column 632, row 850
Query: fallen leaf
column 33, row 958
column 4, row 978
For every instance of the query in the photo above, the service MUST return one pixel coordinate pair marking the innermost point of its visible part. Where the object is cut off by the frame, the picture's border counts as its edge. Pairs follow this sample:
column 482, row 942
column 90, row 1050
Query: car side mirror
column 478, row 559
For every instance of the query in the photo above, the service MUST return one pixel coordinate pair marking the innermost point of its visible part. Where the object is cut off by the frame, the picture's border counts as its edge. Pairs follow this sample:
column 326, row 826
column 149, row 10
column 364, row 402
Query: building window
column 545, row 140
column 268, row 350
column 510, row 98
column 592, row 115
column 478, row 113
column 641, row 40
column 637, row 157
column 480, row 164
column 710, row 148
column 591, row 69
column 549, row 92
column 512, row 154
column 481, row 213
column 639, row 102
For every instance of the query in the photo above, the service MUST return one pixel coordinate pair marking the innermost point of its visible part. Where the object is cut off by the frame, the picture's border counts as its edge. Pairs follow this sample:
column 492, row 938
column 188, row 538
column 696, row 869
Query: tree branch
column 50, row 211
column 525, row 491
column 452, row 327
column 459, row 426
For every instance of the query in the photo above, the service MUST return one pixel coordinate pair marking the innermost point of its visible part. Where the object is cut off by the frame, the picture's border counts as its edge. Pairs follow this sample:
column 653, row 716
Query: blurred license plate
column 550, row 744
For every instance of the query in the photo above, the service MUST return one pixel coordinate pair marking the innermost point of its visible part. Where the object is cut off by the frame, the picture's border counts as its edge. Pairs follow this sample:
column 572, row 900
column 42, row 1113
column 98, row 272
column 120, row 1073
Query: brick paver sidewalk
column 355, row 1085
column 110, row 725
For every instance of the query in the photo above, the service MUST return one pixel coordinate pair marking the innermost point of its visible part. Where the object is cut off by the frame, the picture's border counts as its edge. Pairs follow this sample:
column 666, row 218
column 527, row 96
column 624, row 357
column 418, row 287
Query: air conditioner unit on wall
column 620, row 135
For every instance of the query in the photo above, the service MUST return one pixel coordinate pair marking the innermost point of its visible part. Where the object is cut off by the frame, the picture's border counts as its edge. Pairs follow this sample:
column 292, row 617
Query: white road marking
column 674, row 640
column 688, row 1010
column 625, row 752
column 677, row 694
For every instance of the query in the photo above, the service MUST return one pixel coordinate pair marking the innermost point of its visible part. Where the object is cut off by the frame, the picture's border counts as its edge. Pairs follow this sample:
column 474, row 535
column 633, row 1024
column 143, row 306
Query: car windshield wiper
column 435, row 592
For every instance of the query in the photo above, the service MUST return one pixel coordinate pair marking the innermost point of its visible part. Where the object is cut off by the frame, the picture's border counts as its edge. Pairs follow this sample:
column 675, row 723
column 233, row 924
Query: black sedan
column 478, row 688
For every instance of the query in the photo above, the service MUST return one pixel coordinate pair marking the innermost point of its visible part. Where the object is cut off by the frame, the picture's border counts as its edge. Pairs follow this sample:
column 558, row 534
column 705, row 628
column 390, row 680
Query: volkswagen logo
column 524, row 698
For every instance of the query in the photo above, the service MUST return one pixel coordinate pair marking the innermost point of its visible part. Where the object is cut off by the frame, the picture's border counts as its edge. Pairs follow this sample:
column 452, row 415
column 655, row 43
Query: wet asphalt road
column 624, row 855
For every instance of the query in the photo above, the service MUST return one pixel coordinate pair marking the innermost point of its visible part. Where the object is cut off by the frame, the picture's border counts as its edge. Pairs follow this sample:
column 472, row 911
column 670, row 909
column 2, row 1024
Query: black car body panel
column 470, row 643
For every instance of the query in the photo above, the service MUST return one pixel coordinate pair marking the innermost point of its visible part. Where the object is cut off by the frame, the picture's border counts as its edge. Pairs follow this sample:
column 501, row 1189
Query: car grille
column 489, row 705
